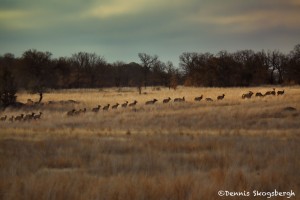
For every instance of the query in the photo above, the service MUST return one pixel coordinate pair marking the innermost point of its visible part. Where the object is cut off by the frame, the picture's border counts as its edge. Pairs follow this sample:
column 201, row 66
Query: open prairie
column 174, row 150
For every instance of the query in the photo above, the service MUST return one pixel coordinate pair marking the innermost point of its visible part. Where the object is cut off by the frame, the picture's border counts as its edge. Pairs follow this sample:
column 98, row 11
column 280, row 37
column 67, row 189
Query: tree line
column 36, row 71
column 241, row 68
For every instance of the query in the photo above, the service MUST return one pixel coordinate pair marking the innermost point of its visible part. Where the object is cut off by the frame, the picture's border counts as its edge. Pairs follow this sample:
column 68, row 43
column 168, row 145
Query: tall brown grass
column 185, row 150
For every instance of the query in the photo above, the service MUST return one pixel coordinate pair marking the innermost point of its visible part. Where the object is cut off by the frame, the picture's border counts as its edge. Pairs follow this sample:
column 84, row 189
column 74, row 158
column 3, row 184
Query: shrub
column 8, row 89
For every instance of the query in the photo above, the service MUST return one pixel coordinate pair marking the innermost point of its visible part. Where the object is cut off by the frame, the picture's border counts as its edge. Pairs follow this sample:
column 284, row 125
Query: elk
column 151, row 102
column 115, row 106
column 124, row 105
column 280, row 92
column 133, row 103
column 19, row 118
column 199, row 98
column 248, row 95
column 96, row 109
column 11, row 119
column 167, row 100
column 221, row 97
column 29, row 102
column 71, row 113
column 270, row 92
column 29, row 116
column 3, row 118
column 51, row 102
column 38, row 116
column 77, row 112
column 273, row 92
column 179, row 99
column 106, row 107
column 208, row 99
column 258, row 94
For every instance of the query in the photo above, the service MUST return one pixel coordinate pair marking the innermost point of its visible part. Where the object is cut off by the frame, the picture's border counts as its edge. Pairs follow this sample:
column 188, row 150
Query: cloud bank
column 119, row 29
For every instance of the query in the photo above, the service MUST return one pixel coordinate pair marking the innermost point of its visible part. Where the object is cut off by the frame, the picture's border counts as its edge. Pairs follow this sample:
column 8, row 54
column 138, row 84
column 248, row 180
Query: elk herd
column 22, row 117
column 259, row 94
column 34, row 117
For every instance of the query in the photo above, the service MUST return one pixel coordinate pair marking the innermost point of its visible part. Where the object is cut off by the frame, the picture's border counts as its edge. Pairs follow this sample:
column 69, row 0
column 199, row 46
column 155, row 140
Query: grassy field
column 186, row 150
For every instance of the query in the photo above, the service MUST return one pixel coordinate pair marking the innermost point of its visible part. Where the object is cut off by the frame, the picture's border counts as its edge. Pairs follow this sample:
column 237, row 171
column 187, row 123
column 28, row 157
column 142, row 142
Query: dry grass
column 164, row 151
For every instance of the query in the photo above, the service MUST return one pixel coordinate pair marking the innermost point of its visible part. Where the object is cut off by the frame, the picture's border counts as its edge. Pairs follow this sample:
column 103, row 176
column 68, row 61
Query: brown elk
column 167, row 100
column 30, row 102
column 273, row 92
column 151, row 102
column 115, row 106
column 19, row 117
column 280, row 92
column 248, row 95
column 221, row 97
column 179, row 99
column 71, row 112
column 96, row 109
column 38, row 116
column 209, row 99
column 11, row 119
column 198, row 98
column 77, row 112
column 124, row 105
column 259, row 94
column 29, row 116
column 270, row 92
column 106, row 107
column 3, row 118
column 133, row 103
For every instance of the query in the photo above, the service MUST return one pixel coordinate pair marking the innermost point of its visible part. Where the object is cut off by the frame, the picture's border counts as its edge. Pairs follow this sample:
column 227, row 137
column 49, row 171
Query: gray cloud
column 120, row 30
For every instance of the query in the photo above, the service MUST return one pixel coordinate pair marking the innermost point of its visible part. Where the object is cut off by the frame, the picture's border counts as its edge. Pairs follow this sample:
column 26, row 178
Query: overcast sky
column 120, row 29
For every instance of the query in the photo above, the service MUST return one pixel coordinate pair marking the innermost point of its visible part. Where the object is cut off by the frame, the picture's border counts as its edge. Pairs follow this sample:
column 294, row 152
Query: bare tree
column 272, row 61
column 147, row 62
column 87, row 63
column 199, row 69
column 39, row 66
column 64, row 72
column 118, row 73
column 294, row 65
column 8, row 88
column 158, row 72
column 261, row 68
column 188, row 62
column 172, row 76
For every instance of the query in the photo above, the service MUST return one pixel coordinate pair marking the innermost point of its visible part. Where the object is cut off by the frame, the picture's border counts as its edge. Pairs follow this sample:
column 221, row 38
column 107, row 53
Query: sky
column 120, row 29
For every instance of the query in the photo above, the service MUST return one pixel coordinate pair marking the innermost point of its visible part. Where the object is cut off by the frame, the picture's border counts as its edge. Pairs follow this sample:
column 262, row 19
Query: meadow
column 185, row 150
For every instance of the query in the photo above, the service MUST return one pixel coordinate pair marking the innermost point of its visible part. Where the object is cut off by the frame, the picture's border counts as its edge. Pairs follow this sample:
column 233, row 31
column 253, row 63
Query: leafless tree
column 147, row 63
column 87, row 63
column 39, row 68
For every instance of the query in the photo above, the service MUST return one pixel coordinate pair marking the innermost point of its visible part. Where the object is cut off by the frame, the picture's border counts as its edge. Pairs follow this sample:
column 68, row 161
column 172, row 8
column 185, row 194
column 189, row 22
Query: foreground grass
column 147, row 167
column 176, row 151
